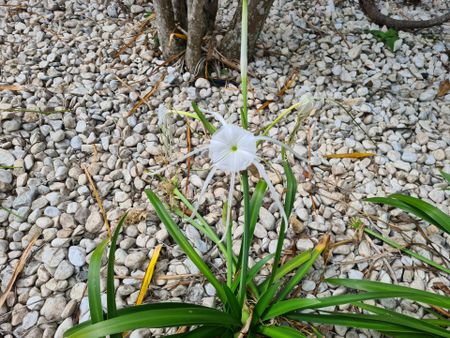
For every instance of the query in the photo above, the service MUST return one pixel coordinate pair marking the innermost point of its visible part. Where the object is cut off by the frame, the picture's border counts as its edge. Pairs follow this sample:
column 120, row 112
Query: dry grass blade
column 148, row 275
column 282, row 91
column 18, row 269
column 146, row 96
column 98, row 199
column 10, row 87
column 350, row 155
column 141, row 29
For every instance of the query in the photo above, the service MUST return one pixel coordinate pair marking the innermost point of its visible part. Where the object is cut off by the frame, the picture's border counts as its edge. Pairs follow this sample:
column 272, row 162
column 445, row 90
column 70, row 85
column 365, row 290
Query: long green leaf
column 253, row 271
column 440, row 218
column 362, row 321
column 298, row 304
column 280, row 332
column 208, row 126
column 264, row 301
column 255, row 205
column 401, row 205
column 301, row 272
column 397, row 318
column 446, row 176
column 181, row 240
column 246, row 239
column 414, row 294
column 156, row 318
column 288, row 205
column 287, row 267
column 110, row 288
column 95, row 302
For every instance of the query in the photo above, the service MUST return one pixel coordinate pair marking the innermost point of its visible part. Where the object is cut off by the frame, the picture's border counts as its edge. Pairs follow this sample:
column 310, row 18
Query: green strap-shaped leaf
column 299, row 304
column 181, row 240
column 208, row 126
column 446, row 176
column 95, row 302
column 255, row 205
column 155, row 318
column 365, row 285
column 300, row 273
column 408, row 321
column 264, row 301
column 362, row 321
column 110, row 288
column 401, row 205
column 253, row 271
column 440, row 219
column 280, row 332
column 288, row 205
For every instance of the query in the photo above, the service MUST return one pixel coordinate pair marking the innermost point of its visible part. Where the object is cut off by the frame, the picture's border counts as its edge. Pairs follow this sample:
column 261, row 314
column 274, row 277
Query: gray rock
column 64, row 270
column 77, row 256
column 134, row 260
column 94, row 222
column 25, row 199
column 6, row 158
column 63, row 327
column 437, row 195
column 52, row 257
column 51, row 211
column 53, row 307
column 35, row 302
column 30, row 319
column 132, row 140
column 267, row 219
column 410, row 157
column 57, row 136
column 75, row 142
column 427, row 95
column 202, row 83
column 6, row 177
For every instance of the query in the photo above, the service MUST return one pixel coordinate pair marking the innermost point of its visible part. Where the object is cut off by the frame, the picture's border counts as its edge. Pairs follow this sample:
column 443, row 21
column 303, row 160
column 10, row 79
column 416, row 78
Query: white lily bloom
column 233, row 149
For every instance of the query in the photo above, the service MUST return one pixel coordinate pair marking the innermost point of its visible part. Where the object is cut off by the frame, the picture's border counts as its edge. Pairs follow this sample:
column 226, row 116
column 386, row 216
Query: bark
column 165, row 23
column 373, row 13
column 181, row 13
column 196, row 32
column 257, row 14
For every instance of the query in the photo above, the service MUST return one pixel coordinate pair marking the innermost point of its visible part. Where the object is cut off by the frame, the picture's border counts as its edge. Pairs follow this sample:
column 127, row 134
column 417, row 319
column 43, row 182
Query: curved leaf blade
column 155, row 318
column 95, row 302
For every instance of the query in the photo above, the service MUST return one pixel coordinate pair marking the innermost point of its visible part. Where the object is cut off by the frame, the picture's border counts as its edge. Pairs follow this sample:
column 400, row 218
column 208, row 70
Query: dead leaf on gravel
column 350, row 155
column 444, row 87
column 10, row 87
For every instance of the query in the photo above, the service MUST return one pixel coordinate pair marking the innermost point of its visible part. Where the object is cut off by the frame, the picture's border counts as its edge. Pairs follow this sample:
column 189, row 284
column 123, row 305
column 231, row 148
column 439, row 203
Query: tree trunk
column 165, row 23
column 257, row 14
column 180, row 11
column 201, row 20
column 196, row 31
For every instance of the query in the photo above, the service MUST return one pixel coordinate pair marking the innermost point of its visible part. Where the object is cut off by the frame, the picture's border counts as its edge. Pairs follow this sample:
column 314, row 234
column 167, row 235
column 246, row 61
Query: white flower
column 233, row 149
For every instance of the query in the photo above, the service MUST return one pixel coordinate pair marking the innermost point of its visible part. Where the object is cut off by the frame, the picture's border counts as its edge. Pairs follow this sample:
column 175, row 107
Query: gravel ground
column 62, row 56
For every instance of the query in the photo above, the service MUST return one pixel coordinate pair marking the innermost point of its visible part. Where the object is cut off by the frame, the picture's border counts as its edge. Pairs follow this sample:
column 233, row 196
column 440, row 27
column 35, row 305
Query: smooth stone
column 77, row 256
column 6, row 158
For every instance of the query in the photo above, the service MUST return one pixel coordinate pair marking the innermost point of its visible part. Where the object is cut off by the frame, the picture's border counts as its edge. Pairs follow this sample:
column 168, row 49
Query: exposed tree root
column 373, row 13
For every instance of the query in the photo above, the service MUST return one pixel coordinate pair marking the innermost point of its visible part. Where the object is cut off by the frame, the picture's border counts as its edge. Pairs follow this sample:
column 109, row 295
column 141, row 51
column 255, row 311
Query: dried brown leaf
column 350, row 155
column 18, row 269
column 444, row 87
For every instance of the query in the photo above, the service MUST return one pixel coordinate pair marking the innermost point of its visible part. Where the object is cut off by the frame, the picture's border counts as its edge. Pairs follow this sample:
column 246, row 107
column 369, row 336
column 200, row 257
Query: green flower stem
column 244, row 61
column 245, row 239
column 230, row 260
